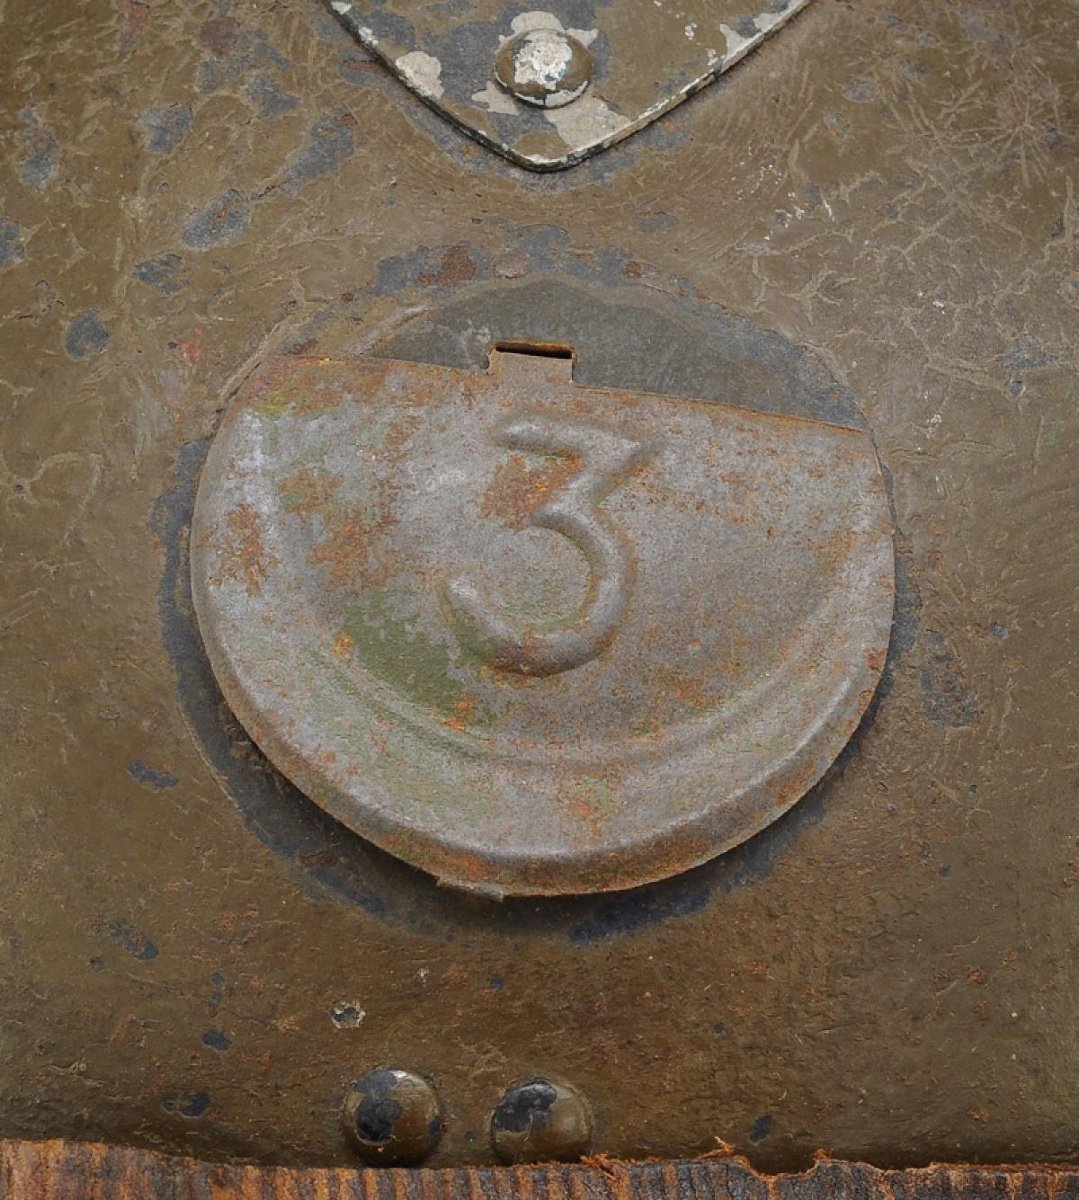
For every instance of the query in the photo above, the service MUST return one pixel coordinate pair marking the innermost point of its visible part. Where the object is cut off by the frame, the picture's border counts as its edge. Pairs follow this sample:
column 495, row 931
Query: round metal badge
column 531, row 636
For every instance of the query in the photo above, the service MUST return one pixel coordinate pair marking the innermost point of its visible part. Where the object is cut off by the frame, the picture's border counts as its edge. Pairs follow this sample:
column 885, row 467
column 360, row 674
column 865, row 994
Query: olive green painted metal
column 533, row 86
column 533, row 637
column 196, row 958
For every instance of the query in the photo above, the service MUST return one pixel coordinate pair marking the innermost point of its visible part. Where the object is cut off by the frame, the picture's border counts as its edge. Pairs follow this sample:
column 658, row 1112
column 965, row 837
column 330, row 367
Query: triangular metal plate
column 648, row 55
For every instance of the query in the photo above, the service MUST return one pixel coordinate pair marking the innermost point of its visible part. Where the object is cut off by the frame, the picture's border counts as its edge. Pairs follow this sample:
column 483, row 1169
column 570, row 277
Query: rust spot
column 343, row 645
column 519, row 486
column 134, row 15
column 682, row 687
column 307, row 492
column 244, row 558
column 457, row 267
column 219, row 35
column 464, row 712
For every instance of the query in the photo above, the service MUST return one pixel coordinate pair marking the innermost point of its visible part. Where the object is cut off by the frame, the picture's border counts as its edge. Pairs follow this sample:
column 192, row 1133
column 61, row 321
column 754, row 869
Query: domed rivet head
column 540, row 1120
column 546, row 67
column 393, row 1117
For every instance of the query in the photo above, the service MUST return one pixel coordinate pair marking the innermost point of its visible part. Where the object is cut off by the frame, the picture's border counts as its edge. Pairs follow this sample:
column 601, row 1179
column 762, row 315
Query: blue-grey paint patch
column 41, row 153
column 628, row 912
column 946, row 698
column 330, row 142
column 162, row 273
column 222, row 220
column 191, row 1105
column 151, row 777
column 128, row 938
column 85, row 335
column 233, row 51
column 218, row 996
column 11, row 245
column 1027, row 353
column 862, row 91
column 216, row 1040
column 166, row 127
column 272, row 101
column 719, row 1029
column 496, row 983
column 762, row 1129
column 326, row 25
column 359, row 68
column 657, row 223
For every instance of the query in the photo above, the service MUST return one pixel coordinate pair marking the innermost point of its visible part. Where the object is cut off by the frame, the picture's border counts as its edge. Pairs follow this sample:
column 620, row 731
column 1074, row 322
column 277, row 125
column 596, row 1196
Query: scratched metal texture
column 607, row 732
column 647, row 57
column 889, row 971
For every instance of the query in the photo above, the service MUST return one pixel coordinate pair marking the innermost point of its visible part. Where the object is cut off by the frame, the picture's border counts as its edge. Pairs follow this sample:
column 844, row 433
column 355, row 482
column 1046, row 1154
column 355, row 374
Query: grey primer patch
column 128, row 938
column 42, row 159
column 272, row 101
column 166, row 127
column 233, row 52
column 151, row 777
column 85, row 336
column 945, row 697
column 220, row 221
column 161, row 273
column 330, row 142
column 191, row 1105
column 216, row 1040
column 11, row 247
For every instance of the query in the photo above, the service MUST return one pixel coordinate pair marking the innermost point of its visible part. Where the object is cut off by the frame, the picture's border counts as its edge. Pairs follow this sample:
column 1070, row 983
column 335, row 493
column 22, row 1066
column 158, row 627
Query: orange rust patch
column 308, row 492
column 456, row 267
column 518, row 487
column 682, row 687
column 244, row 558
column 464, row 712
column 350, row 535
column 343, row 645
column 344, row 551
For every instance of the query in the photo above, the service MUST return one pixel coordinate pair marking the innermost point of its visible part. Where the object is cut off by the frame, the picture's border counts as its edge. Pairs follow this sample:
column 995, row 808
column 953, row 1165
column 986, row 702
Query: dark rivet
column 393, row 1117
column 546, row 67
column 540, row 1120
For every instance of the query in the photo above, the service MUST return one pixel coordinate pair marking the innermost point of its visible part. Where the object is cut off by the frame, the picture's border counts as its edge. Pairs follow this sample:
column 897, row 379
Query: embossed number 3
column 575, row 513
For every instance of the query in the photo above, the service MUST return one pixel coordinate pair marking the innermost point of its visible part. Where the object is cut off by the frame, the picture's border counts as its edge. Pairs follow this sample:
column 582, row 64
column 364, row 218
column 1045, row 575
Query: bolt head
column 545, row 67
column 539, row 1121
column 392, row 1117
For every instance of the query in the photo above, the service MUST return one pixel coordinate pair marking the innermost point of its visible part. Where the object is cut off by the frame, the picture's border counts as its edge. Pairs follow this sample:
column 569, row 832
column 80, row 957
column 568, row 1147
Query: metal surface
column 546, row 67
column 532, row 637
column 393, row 1117
column 541, row 1121
column 646, row 57
column 194, row 958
